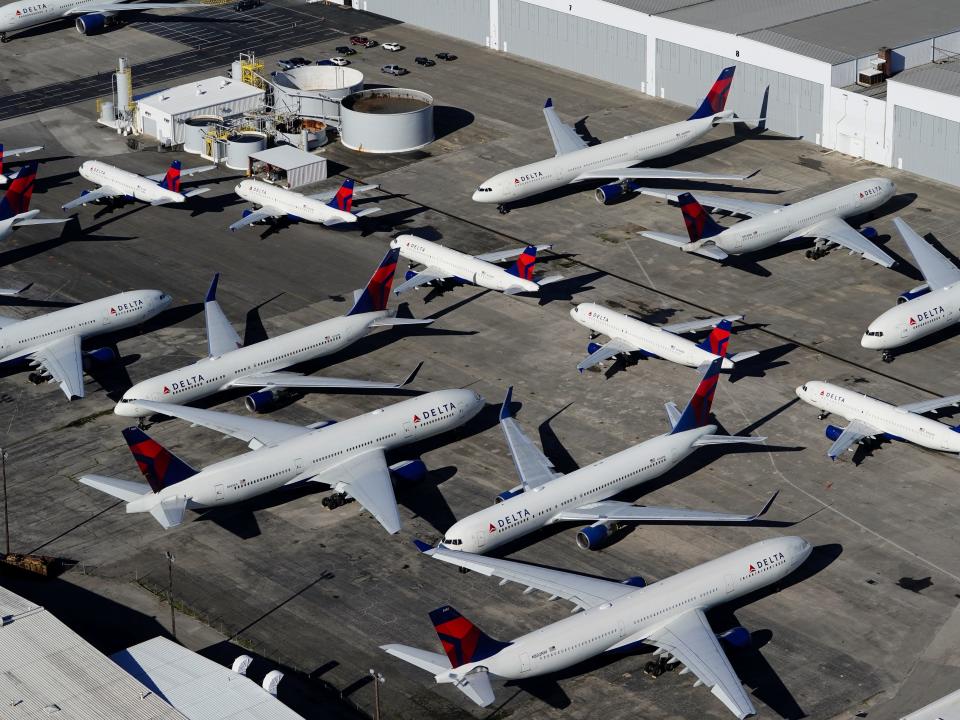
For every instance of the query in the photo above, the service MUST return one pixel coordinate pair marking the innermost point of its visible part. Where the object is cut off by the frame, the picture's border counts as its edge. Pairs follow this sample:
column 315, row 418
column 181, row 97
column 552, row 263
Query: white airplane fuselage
column 654, row 340
column 92, row 318
column 768, row 229
column 290, row 202
column 18, row 16
column 914, row 319
column 213, row 374
column 130, row 184
column 531, row 510
column 543, row 175
column 896, row 422
column 300, row 458
column 460, row 265
column 633, row 617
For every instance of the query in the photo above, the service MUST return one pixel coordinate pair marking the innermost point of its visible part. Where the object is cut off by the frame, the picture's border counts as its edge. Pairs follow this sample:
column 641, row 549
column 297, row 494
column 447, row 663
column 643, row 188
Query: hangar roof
column 940, row 77
column 205, row 93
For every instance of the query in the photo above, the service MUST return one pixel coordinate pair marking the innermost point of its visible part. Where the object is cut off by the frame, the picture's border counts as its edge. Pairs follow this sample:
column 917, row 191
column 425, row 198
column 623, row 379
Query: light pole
column 6, row 516
column 173, row 615
column 378, row 680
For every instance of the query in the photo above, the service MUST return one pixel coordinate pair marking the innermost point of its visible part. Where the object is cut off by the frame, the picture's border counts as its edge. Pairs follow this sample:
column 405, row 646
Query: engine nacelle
column 594, row 536
column 507, row 494
column 262, row 400
column 92, row 23
column 914, row 293
column 100, row 356
column 832, row 432
column 592, row 347
column 869, row 232
column 410, row 274
column 409, row 471
column 736, row 637
column 635, row 581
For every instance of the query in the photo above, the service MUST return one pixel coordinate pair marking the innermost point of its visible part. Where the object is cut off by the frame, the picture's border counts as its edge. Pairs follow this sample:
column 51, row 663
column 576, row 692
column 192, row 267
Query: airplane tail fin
column 718, row 339
column 159, row 466
column 700, row 225
column 1, row 158
column 523, row 268
column 343, row 200
column 697, row 412
column 17, row 198
column 462, row 641
column 374, row 296
column 716, row 99
column 171, row 181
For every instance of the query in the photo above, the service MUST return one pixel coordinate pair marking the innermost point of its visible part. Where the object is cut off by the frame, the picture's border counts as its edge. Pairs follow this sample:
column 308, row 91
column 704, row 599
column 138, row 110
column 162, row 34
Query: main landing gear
column 503, row 209
column 822, row 415
column 887, row 356
column 331, row 502
column 4, row 38
column 658, row 667
column 818, row 250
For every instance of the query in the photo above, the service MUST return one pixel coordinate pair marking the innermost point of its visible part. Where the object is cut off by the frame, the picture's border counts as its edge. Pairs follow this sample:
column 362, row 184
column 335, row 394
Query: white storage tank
column 241, row 145
column 195, row 130
column 387, row 120
column 314, row 91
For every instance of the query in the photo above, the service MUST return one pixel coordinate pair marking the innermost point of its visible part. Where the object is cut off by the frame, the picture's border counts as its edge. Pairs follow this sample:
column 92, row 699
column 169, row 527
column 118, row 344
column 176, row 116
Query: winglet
column 421, row 545
column 766, row 507
column 505, row 408
column 548, row 103
column 411, row 376
column 212, row 292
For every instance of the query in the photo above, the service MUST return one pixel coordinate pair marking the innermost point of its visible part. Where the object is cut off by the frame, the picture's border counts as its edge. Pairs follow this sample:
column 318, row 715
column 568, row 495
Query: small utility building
column 288, row 167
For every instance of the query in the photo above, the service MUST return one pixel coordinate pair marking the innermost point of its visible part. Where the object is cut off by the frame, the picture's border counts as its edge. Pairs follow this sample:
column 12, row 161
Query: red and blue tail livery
column 1, row 158
column 523, row 268
column 171, row 181
column 17, row 198
column 697, row 412
column 698, row 221
column 716, row 99
column 375, row 295
column 718, row 339
column 343, row 200
column 159, row 466
column 462, row 641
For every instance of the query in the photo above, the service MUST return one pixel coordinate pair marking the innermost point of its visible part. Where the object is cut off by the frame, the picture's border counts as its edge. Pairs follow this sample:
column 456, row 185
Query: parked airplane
column 629, row 335
column 229, row 364
column 444, row 265
column 17, row 152
column 545, row 497
column 113, row 182
column 329, row 208
column 575, row 161
column 52, row 343
column 927, row 308
column 821, row 217
column 669, row 615
column 871, row 419
column 347, row 455
column 92, row 16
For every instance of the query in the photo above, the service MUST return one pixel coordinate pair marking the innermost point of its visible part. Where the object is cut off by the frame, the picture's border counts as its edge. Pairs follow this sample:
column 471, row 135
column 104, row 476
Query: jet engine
column 93, row 23
column 262, row 400
column 736, row 637
column 507, row 494
column 594, row 536
column 100, row 356
column 832, row 432
column 410, row 274
column 607, row 194
column 593, row 347
column 869, row 232
column 409, row 471
column 635, row 581
column 914, row 293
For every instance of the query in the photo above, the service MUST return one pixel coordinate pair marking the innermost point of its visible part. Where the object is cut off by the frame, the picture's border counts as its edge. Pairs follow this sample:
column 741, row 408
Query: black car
column 247, row 5
column 345, row 50
column 445, row 56
column 425, row 61
column 370, row 43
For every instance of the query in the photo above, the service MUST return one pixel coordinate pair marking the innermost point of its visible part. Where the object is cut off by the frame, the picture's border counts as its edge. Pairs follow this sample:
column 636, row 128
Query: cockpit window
column 804, row 388
column 875, row 333
column 484, row 189
column 452, row 541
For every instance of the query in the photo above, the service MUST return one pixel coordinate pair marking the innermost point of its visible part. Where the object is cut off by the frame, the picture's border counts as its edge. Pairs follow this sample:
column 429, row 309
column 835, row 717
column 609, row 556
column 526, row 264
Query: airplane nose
column 476, row 196
column 574, row 311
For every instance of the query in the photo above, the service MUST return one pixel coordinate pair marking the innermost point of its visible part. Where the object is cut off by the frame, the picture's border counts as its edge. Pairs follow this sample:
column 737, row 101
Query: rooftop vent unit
column 869, row 78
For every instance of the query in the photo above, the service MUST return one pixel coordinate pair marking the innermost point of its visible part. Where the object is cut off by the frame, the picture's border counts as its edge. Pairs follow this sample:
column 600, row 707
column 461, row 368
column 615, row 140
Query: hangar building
column 876, row 79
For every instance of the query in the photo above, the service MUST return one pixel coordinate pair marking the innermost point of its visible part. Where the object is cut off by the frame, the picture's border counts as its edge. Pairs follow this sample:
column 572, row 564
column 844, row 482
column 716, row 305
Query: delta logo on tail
column 375, row 295
column 462, row 641
column 523, row 268
column 171, row 181
column 716, row 99
column 343, row 200
column 159, row 466
column 17, row 198
column 698, row 222
column 719, row 339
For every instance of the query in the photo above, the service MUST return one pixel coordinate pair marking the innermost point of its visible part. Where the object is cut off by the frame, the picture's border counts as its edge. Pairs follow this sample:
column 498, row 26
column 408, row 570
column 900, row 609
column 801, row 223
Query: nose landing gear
column 503, row 209
column 887, row 356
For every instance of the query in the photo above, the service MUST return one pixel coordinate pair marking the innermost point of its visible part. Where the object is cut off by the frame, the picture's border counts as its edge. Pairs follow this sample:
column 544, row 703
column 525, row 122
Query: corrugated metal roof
column 47, row 670
column 941, row 77
column 185, row 98
column 200, row 688
column 287, row 157
column 743, row 16
column 656, row 7
column 801, row 47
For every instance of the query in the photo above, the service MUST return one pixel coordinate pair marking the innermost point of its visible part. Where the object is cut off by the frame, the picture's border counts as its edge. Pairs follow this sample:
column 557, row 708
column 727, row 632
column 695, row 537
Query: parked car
column 445, row 56
column 392, row 46
column 359, row 40
column 425, row 61
column 292, row 63
column 345, row 50
column 394, row 70
column 370, row 43
column 341, row 61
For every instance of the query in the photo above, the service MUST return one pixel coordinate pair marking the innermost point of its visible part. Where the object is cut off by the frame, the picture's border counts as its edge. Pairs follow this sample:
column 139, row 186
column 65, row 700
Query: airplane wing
column 366, row 478
column 694, row 325
column 838, row 231
column 605, row 352
column 329, row 194
column 710, row 251
column 62, row 360
column 854, row 432
column 626, row 512
column 734, row 206
column 221, row 335
column 92, row 195
column 937, row 270
column 17, row 152
column 925, row 406
column 255, row 216
column 504, row 255
column 185, row 172
column 582, row 591
column 690, row 639
column 421, row 278
column 39, row 221
column 8, row 321
column 533, row 467
column 565, row 138
column 122, row 7
column 255, row 432
column 296, row 380
column 13, row 291
column 633, row 173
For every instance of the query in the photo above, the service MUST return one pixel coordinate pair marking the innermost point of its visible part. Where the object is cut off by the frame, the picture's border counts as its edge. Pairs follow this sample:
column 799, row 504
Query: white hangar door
column 926, row 144
column 583, row 46
column 464, row 19
column 794, row 106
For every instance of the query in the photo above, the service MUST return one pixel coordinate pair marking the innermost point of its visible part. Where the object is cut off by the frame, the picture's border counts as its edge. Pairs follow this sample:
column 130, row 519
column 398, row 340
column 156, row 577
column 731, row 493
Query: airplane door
column 524, row 662
column 481, row 538
column 904, row 329
column 730, row 581
column 407, row 428
column 219, row 492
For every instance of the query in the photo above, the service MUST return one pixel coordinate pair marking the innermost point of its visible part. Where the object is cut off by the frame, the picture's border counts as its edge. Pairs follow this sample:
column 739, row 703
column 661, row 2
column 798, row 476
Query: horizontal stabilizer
column 391, row 321
column 745, row 355
column 367, row 211
column 125, row 490
column 476, row 686
column 728, row 440
column 196, row 191
column 15, row 291
column 162, row 201
column 169, row 512
column 548, row 279
column 710, row 251
column 41, row 221
column 432, row 662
